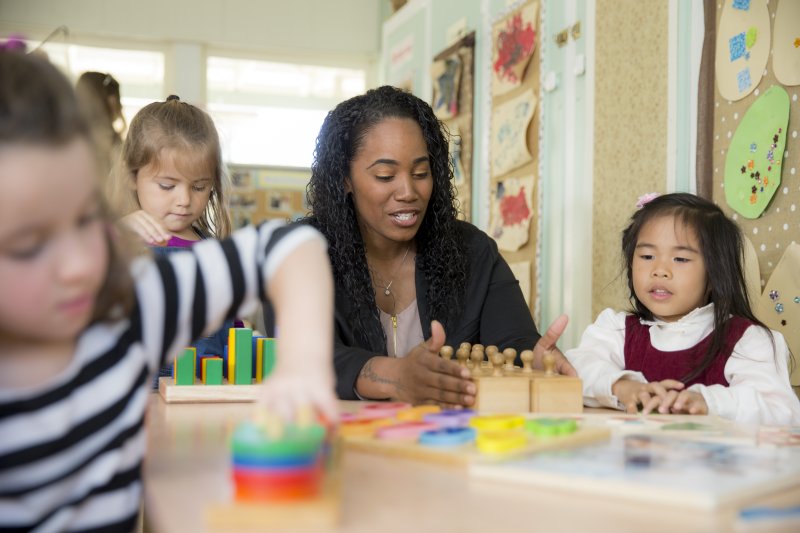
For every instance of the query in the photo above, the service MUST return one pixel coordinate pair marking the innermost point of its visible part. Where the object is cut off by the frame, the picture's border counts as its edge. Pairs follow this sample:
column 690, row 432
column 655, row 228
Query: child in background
column 692, row 344
column 81, row 331
column 170, row 185
column 99, row 98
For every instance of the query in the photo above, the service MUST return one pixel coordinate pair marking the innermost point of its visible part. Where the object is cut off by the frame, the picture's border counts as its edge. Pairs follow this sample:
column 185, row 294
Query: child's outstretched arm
column 600, row 360
column 301, row 291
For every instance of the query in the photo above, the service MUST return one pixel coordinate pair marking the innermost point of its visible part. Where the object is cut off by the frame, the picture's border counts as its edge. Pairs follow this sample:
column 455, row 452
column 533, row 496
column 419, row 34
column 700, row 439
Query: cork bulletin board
column 756, row 154
column 514, row 196
column 752, row 118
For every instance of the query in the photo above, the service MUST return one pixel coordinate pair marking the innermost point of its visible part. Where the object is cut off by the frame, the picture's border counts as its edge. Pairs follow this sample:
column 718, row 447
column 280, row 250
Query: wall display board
column 452, row 77
column 261, row 193
column 756, row 154
column 514, row 197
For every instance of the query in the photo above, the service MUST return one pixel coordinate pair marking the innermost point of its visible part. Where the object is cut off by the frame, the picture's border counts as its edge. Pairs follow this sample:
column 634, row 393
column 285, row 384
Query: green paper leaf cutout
column 750, row 37
column 753, row 176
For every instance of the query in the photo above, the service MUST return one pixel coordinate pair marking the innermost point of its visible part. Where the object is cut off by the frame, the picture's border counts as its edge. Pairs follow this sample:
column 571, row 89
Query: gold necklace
column 388, row 292
column 387, row 289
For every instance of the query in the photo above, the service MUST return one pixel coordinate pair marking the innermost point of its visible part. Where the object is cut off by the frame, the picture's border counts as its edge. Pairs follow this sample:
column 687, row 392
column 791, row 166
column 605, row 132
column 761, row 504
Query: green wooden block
column 212, row 370
column 183, row 367
column 268, row 357
column 243, row 347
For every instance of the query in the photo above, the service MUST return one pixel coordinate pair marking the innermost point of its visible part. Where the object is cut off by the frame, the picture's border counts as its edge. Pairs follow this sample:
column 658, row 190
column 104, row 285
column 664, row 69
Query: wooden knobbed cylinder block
column 527, row 361
column 446, row 352
column 509, row 355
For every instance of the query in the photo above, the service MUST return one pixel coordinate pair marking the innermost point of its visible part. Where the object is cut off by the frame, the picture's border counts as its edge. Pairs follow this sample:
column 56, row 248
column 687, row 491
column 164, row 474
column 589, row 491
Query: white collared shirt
column 759, row 390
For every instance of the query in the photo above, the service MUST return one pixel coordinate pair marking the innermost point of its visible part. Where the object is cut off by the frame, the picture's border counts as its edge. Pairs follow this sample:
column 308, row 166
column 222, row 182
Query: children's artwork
column 511, row 213
column 459, row 176
column 753, row 164
column 509, row 142
column 743, row 44
column 513, row 43
column 786, row 42
column 657, row 468
column 779, row 305
column 453, row 97
column 522, row 271
column 446, row 77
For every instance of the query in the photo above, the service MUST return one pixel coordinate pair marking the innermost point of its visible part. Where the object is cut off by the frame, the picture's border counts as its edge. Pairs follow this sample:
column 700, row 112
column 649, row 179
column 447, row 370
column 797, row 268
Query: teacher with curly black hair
column 410, row 277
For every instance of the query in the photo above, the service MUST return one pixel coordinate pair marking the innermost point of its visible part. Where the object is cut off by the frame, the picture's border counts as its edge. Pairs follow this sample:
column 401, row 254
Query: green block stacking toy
column 212, row 371
column 240, row 356
column 183, row 367
column 265, row 358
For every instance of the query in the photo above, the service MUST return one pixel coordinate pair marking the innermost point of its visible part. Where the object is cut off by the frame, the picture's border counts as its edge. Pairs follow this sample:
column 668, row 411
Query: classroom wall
column 630, row 130
column 344, row 33
column 314, row 28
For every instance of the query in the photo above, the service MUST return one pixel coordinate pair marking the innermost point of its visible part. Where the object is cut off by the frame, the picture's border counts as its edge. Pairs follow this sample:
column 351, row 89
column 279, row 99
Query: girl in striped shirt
column 82, row 330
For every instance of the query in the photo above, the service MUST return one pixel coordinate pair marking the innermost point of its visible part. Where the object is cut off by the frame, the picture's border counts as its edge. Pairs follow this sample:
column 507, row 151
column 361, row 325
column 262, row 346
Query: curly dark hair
column 723, row 253
column 441, row 253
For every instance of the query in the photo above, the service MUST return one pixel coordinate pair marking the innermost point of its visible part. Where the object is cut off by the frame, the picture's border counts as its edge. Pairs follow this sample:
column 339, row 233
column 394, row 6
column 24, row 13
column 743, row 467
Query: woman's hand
column 419, row 377
column 547, row 343
column 424, row 377
column 146, row 227
column 632, row 394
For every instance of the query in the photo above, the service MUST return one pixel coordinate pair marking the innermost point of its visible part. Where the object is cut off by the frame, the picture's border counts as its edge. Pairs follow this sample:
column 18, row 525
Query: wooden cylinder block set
column 504, row 387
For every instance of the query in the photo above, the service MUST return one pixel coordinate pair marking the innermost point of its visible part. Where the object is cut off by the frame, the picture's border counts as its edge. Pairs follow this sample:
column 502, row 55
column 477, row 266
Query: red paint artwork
column 514, row 209
column 515, row 45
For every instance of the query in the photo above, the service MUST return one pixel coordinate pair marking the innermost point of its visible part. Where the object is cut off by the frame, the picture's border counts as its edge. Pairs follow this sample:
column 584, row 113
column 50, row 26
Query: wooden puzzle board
column 465, row 454
column 199, row 393
column 656, row 469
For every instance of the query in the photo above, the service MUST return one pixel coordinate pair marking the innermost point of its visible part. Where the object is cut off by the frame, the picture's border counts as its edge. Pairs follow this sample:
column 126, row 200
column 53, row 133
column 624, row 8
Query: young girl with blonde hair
column 170, row 187
column 82, row 331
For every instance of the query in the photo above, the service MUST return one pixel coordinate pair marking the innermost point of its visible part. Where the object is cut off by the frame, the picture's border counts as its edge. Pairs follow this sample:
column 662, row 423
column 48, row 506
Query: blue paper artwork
column 744, row 5
column 738, row 46
column 743, row 79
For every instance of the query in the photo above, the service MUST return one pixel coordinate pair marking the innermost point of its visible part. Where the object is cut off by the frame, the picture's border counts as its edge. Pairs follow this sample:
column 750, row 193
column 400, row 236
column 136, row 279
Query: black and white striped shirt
column 71, row 450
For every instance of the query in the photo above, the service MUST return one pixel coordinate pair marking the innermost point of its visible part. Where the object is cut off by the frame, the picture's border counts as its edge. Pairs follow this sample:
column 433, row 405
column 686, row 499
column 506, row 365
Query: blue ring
column 275, row 462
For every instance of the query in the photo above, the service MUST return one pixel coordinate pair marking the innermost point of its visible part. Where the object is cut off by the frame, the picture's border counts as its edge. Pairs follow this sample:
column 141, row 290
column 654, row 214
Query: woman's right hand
column 424, row 377
column 147, row 228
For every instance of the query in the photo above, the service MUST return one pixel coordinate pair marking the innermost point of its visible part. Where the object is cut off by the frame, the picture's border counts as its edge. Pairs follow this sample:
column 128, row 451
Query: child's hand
column 301, row 290
column 290, row 396
column 684, row 402
column 146, row 227
column 632, row 394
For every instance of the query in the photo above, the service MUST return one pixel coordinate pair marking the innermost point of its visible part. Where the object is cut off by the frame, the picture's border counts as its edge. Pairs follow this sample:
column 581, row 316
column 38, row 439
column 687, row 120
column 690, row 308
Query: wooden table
column 187, row 465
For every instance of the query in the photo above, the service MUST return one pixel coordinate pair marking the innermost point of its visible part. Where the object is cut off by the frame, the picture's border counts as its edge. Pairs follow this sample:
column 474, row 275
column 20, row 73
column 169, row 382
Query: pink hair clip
column 645, row 199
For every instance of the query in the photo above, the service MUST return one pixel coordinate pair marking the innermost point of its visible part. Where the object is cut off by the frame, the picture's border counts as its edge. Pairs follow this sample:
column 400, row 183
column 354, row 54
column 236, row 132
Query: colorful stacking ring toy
column 285, row 467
